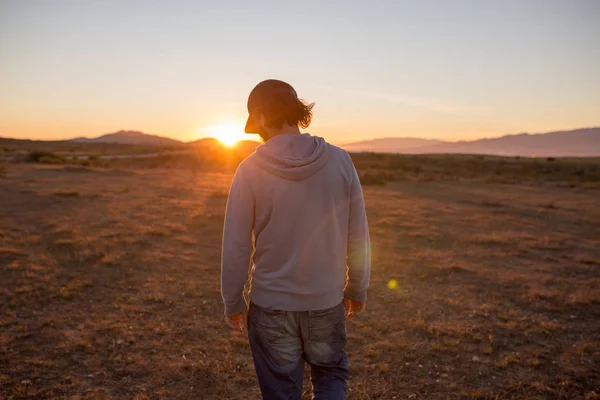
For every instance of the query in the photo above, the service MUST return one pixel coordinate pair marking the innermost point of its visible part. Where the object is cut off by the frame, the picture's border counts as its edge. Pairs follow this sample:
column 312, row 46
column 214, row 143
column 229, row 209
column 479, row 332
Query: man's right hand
column 238, row 322
column 354, row 307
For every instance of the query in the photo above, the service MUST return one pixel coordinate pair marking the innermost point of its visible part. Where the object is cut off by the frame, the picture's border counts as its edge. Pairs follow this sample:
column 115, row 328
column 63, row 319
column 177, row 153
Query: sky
column 450, row 70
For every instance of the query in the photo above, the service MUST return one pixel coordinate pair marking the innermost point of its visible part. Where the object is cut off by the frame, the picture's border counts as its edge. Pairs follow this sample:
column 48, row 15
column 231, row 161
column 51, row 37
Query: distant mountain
column 130, row 137
column 390, row 145
column 575, row 143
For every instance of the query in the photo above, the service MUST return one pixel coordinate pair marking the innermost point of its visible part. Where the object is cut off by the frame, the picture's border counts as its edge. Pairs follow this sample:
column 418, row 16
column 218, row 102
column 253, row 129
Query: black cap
column 263, row 94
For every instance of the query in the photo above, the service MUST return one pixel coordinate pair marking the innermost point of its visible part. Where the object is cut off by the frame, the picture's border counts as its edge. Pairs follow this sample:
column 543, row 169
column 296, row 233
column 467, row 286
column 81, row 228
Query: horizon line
column 251, row 137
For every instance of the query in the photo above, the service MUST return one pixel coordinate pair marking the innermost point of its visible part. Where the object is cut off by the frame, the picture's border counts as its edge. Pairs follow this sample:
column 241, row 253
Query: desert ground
column 110, row 289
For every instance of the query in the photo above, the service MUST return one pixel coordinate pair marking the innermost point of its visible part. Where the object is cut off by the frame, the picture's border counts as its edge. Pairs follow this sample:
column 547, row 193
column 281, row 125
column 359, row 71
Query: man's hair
column 288, row 109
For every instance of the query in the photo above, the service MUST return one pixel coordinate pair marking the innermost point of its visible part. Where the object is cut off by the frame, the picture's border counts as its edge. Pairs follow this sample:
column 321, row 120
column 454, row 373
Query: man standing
column 296, row 209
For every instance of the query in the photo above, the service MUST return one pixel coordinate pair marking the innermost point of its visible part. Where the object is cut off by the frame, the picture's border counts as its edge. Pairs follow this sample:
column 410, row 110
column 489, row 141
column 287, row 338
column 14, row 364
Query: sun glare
column 228, row 134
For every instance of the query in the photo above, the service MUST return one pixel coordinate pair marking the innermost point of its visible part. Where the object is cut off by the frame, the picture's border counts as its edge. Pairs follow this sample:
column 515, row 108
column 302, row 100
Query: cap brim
column 250, row 126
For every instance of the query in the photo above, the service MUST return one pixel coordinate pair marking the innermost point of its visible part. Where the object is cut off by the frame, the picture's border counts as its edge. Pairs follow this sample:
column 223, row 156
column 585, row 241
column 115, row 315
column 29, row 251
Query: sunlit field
column 485, row 284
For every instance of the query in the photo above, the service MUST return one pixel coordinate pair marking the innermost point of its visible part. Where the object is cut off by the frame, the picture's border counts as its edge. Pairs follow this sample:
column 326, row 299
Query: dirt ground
column 110, row 289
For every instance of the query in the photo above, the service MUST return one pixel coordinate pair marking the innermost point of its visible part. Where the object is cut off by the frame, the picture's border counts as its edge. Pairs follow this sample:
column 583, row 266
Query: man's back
column 299, row 191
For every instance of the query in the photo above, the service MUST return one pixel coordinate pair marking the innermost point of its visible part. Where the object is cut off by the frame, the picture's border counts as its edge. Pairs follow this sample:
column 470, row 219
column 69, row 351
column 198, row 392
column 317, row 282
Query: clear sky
column 434, row 69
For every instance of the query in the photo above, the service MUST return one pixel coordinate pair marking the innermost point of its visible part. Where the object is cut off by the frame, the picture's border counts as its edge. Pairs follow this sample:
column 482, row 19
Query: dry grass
column 567, row 172
column 115, row 293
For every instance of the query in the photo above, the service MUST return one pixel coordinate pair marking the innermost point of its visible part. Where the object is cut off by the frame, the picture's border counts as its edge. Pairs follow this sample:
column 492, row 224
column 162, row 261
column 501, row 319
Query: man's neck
column 285, row 130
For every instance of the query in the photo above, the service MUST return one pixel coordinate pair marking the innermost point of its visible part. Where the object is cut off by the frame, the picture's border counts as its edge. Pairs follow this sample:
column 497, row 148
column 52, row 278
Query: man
column 296, row 208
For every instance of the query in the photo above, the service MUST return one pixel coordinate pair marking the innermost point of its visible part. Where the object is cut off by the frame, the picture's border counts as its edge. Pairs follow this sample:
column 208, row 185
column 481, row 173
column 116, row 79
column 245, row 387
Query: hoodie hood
column 293, row 157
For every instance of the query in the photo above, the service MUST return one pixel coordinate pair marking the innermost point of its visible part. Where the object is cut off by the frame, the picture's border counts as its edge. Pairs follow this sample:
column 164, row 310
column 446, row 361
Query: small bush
column 35, row 156
column 375, row 177
column 45, row 157
column 51, row 160
column 66, row 193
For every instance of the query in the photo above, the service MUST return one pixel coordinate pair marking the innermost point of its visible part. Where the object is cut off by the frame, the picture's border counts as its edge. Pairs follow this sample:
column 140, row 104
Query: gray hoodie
column 296, row 210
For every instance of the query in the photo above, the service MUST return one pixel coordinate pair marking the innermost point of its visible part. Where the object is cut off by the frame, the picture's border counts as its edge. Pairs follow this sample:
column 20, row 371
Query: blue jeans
column 282, row 341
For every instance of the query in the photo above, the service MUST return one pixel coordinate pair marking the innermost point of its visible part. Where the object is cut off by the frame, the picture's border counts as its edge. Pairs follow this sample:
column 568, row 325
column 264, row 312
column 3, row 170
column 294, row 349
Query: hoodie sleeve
column 359, row 244
column 237, row 244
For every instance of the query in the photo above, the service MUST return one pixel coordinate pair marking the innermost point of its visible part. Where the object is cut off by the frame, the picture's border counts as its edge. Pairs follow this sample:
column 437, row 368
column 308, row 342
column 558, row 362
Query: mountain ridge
column 129, row 137
column 584, row 142
column 387, row 144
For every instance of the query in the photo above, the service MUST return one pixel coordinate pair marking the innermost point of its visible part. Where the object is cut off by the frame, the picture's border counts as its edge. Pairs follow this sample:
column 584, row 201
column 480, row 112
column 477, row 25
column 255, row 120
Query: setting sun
column 228, row 134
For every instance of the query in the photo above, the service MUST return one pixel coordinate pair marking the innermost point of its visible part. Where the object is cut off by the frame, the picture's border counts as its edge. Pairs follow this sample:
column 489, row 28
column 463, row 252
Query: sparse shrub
column 65, row 293
column 156, row 232
column 66, row 193
column 371, row 177
column 51, row 160
column 45, row 157
column 506, row 360
column 419, row 321
column 550, row 158
column 35, row 156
